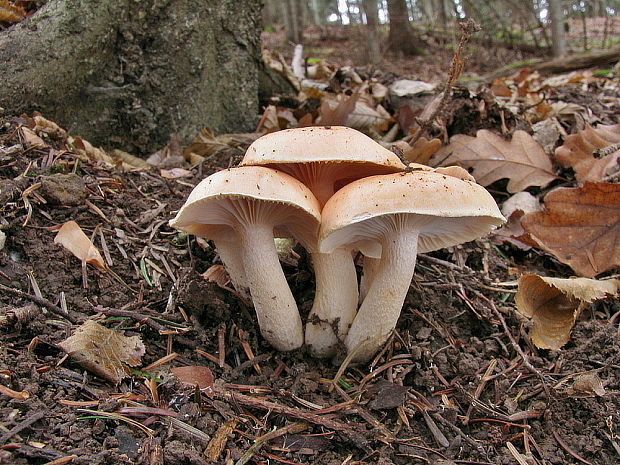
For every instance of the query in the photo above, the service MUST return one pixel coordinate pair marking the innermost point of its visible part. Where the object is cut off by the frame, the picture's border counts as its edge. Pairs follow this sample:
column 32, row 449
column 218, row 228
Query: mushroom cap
column 450, row 210
column 224, row 199
column 334, row 145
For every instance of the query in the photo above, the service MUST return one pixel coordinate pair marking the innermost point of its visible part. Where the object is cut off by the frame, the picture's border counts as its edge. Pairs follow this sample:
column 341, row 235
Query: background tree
column 557, row 27
column 372, row 20
column 401, row 38
column 127, row 74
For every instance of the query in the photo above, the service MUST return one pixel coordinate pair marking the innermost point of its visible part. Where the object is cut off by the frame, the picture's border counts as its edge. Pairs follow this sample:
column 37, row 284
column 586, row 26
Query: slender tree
column 372, row 19
column 557, row 28
column 402, row 38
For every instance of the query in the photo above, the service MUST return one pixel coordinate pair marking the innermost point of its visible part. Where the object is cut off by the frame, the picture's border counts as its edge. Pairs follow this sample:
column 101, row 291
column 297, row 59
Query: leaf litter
column 459, row 380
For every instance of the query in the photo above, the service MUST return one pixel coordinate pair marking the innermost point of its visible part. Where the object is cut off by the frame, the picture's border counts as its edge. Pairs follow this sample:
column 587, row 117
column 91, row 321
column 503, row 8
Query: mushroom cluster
column 337, row 192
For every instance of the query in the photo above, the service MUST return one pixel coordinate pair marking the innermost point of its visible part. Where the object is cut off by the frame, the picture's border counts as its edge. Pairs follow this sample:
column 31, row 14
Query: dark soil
column 449, row 386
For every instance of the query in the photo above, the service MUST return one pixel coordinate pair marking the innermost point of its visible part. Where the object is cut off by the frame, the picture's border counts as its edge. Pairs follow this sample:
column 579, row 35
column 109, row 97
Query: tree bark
column 557, row 28
column 401, row 37
column 372, row 19
column 126, row 74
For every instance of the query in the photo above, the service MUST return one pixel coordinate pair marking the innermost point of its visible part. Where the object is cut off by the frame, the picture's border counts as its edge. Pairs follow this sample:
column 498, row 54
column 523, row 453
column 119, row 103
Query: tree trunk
column 557, row 28
column 443, row 16
column 372, row 19
column 122, row 73
column 293, row 20
column 401, row 37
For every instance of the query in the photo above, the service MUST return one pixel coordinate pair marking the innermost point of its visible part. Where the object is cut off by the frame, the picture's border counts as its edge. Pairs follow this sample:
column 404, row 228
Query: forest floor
column 450, row 386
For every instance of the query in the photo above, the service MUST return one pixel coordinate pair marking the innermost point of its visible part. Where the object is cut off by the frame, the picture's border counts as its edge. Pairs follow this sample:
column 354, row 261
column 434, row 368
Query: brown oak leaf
column 578, row 152
column 580, row 226
column 522, row 160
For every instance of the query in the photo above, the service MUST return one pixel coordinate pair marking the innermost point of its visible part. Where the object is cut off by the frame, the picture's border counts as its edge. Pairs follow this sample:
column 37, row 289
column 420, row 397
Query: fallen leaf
column 522, row 160
column 31, row 138
column 500, row 89
column 555, row 303
column 422, row 150
column 103, row 351
column 48, row 127
column 386, row 395
column 216, row 274
column 175, row 173
column 11, row 13
column 194, row 375
column 589, row 383
column 578, row 151
column 71, row 237
column 336, row 113
column 580, row 226
column 514, row 208
column 455, row 172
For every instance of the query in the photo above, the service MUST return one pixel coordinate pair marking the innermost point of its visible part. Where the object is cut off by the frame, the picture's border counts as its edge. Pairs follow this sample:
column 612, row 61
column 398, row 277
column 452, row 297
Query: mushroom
column 325, row 159
column 404, row 213
column 242, row 206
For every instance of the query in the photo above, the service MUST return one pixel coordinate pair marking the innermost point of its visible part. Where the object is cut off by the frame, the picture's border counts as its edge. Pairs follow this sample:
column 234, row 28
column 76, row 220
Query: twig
column 40, row 301
column 468, row 28
column 145, row 319
column 568, row 449
column 21, row 426
column 305, row 415
column 288, row 429
column 458, row 431
column 517, row 348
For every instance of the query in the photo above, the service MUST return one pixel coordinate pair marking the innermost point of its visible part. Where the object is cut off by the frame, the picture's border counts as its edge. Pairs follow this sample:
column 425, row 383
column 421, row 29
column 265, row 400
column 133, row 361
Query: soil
column 449, row 386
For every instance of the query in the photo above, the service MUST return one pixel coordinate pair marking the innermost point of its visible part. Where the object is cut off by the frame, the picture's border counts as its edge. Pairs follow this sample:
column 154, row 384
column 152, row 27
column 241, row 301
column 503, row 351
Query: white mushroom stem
column 278, row 317
column 370, row 267
column 381, row 308
column 230, row 254
column 335, row 301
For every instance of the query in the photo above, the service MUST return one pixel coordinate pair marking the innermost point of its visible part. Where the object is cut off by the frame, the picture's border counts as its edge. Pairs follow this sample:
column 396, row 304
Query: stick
column 40, row 301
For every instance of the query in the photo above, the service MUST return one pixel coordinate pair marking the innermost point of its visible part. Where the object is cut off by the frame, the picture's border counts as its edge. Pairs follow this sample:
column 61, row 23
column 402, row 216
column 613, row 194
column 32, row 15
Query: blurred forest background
column 415, row 27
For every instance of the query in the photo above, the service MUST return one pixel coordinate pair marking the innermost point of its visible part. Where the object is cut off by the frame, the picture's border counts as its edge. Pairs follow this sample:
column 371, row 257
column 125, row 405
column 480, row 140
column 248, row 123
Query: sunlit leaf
column 555, row 303
column 71, row 237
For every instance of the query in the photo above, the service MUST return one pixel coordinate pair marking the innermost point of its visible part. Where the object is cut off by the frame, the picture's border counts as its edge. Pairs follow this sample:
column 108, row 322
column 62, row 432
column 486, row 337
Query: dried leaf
column 554, row 304
column 71, row 236
column 514, row 208
column 364, row 116
column 589, row 383
column 130, row 159
column 31, row 138
column 337, row 114
column 216, row 274
column 578, row 152
column 48, row 127
column 87, row 152
column 522, row 160
column 500, row 89
column 269, row 120
column 175, row 173
column 194, row 375
column 455, row 172
column 103, row 351
column 422, row 150
column 11, row 13
column 580, row 227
